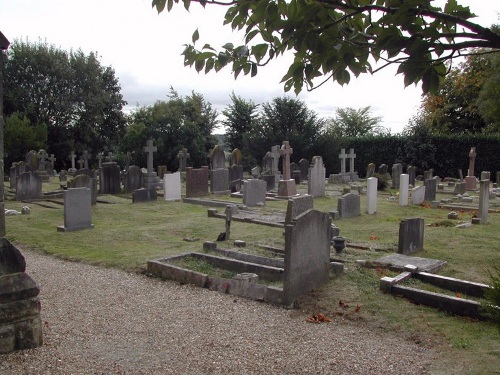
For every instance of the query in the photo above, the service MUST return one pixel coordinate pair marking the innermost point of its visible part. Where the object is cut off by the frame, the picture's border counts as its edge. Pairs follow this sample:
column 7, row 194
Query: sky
column 144, row 49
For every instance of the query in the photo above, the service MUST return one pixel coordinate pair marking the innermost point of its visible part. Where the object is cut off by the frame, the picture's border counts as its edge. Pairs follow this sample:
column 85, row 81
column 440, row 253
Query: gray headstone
column 84, row 181
column 418, row 195
column 77, row 210
column 304, row 169
column 412, row 173
column 254, row 193
column 370, row 170
column 144, row 195
column 109, row 180
column 397, row 170
column 133, row 179
column 235, row 178
column 218, row 158
column 28, row 186
column 307, row 254
column 316, row 177
column 430, row 189
column 297, row 206
column 411, row 235
column 382, row 169
column 219, row 180
column 349, row 205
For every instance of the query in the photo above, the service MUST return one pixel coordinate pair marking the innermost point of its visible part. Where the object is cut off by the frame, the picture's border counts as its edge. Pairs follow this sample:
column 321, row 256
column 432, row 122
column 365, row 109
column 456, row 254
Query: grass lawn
column 127, row 235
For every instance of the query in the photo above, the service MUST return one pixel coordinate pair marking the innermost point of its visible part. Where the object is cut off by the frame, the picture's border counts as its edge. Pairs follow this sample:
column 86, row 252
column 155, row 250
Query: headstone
column 109, row 179
column 128, row 159
column 52, row 161
column 484, row 196
column 86, row 172
column 307, row 254
column 270, row 181
column 72, row 157
column 412, row 174
column 217, row 158
column 430, row 189
column 49, row 169
column 196, row 182
column 418, row 195
column 351, row 156
column 316, row 177
column 62, row 176
column 286, row 187
column 32, row 160
column 20, row 322
column 349, row 206
column 99, row 159
column 28, row 186
column 275, row 155
column 182, row 156
column 294, row 167
column 133, row 179
column 144, row 195
column 397, row 170
column 219, row 180
column 151, row 180
column 235, row 177
column 428, row 174
column 84, row 181
column 382, row 169
column 254, row 193
column 304, row 169
column 77, row 210
column 161, row 170
column 236, row 157
column 371, row 195
column 411, row 235
column 296, row 176
column 459, row 188
column 403, row 189
column 297, row 206
column 42, row 155
column 370, row 170
column 85, row 158
column 172, row 186
column 81, row 163
column 16, row 170
column 485, row 175
column 343, row 158
column 472, row 160
column 255, row 171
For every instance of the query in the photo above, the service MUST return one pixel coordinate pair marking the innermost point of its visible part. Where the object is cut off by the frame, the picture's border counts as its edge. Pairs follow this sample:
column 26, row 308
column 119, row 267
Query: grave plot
column 305, row 266
column 404, row 285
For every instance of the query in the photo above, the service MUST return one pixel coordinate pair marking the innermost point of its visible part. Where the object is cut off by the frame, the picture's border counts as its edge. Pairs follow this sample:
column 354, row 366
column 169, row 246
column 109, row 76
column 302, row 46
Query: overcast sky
column 145, row 48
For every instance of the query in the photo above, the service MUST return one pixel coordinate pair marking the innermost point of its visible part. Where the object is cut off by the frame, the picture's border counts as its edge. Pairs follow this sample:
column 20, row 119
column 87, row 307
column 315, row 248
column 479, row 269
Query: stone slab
column 399, row 261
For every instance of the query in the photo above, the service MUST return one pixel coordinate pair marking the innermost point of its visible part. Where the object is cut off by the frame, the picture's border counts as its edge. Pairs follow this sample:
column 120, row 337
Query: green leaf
column 199, row 64
column 228, row 46
column 187, row 3
column 170, row 4
column 160, row 5
column 196, row 36
column 254, row 70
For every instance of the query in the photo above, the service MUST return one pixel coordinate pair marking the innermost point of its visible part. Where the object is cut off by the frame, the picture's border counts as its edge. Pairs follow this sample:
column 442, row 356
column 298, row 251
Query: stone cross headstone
column 52, row 160
column 182, row 156
column 285, row 153
column 110, row 158
column 472, row 159
column 42, row 155
column 343, row 158
column 150, row 149
column 72, row 157
column 275, row 156
column 81, row 163
column 85, row 158
column 351, row 156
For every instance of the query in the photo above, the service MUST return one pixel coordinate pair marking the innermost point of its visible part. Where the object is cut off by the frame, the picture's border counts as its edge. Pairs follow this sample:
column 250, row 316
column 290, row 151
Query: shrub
column 491, row 309
column 381, row 181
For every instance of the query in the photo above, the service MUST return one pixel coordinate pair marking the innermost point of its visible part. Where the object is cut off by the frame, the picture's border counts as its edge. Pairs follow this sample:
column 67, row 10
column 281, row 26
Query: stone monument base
column 287, row 188
column 470, row 183
column 151, row 180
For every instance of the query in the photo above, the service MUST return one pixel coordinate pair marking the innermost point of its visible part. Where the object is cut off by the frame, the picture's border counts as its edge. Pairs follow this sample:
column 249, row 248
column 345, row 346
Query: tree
column 173, row 124
column 337, row 38
column 20, row 136
column 467, row 102
column 286, row 119
column 72, row 93
column 241, row 119
column 350, row 122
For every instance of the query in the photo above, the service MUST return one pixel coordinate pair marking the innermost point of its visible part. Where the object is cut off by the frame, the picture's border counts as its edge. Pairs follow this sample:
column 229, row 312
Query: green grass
column 127, row 235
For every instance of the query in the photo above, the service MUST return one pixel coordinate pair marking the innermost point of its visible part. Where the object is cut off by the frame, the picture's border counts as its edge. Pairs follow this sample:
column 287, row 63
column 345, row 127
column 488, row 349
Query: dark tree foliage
column 179, row 122
column 72, row 93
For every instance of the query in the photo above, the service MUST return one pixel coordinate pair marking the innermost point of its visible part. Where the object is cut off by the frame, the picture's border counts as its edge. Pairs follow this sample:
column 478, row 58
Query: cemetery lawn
column 127, row 235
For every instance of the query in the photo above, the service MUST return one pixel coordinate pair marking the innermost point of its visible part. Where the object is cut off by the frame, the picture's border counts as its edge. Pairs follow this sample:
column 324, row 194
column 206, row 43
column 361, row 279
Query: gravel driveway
column 107, row 321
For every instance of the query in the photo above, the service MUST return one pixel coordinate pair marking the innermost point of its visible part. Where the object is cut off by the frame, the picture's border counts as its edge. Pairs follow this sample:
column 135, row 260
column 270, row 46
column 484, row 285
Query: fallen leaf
column 357, row 308
column 343, row 304
column 458, row 295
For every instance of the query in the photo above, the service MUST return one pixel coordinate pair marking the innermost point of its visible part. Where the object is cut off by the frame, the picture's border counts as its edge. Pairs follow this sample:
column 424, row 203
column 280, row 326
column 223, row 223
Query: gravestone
column 182, row 157
column 286, row 187
column 403, row 189
column 370, row 170
column 307, row 254
column 133, row 179
column 109, row 179
column 411, row 235
column 85, row 158
column 86, row 172
column 418, row 195
column 397, row 170
column 77, row 210
column 99, row 159
column 196, row 182
column 161, row 170
column 72, row 157
column 254, row 193
column 484, row 196
column 293, row 168
column 151, row 180
column 412, row 174
column 49, row 169
column 304, row 169
column 430, row 189
column 172, row 186
column 20, row 322
column 351, row 156
column 235, row 178
column 297, row 206
column 267, row 163
column 485, row 175
column 219, row 180
column 343, row 158
column 382, row 169
column 217, row 158
column 296, row 176
column 459, row 188
column 470, row 179
column 349, row 206
column 270, row 181
column 371, row 195
column 128, row 159
column 32, row 160
column 84, row 181
column 236, row 157
column 255, row 171
column 81, row 162
column 428, row 174
column 28, row 186
column 144, row 195
column 42, row 155
column 316, row 177
column 16, row 170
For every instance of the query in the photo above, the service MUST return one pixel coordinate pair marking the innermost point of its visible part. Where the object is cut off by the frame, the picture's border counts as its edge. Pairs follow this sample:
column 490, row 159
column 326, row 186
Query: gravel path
column 106, row 321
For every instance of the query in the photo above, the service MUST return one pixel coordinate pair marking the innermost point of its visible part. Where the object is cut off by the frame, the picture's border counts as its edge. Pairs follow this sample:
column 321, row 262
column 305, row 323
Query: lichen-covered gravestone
column 20, row 323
